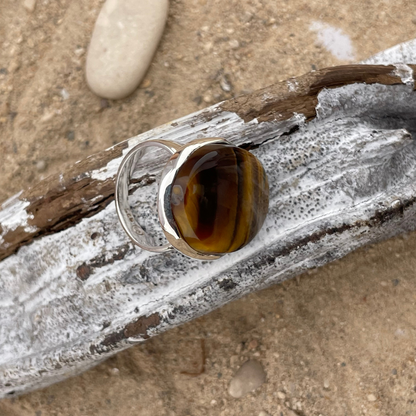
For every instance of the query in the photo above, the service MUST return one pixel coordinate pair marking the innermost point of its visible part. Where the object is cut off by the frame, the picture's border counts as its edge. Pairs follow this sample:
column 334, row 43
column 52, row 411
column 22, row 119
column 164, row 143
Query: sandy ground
column 337, row 341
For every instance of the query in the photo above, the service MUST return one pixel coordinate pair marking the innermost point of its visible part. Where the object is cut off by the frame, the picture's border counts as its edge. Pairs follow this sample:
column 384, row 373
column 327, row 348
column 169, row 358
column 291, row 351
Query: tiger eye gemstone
column 219, row 198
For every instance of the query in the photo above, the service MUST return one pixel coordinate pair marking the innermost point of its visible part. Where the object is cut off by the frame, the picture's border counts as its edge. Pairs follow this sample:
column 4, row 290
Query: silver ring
column 212, row 198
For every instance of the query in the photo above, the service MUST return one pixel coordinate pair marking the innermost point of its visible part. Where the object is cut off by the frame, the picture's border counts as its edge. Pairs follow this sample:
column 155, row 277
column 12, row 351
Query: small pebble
column 64, row 94
column 114, row 371
column 29, row 5
column 371, row 398
column 249, row 377
column 263, row 413
column 400, row 332
column 124, row 40
column 147, row 82
column 233, row 360
column 79, row 52
column 253, row 344
column 41, row 165
column 281, row 395
column 84, row 144
column 326, row 384
column 47, row 116
column 246, row 17
column 207, row 98
column 103, row 105
column 70, row 135
column 208, row 46
column 234, row 44
column 225, row 84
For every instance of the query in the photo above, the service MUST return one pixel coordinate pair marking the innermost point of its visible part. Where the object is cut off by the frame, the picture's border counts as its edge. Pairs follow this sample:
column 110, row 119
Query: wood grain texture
column 61, row 201
column 338, row 150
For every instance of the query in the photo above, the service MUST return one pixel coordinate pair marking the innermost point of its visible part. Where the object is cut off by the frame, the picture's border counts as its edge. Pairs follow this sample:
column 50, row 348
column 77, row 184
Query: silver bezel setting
column 180, row 154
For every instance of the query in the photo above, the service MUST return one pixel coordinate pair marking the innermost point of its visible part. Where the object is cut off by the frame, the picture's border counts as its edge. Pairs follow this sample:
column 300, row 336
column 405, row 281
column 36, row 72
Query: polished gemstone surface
column 219, row 198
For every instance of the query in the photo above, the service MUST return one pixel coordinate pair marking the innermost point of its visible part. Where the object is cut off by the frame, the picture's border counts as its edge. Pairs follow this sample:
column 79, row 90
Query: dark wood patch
column 137, row 328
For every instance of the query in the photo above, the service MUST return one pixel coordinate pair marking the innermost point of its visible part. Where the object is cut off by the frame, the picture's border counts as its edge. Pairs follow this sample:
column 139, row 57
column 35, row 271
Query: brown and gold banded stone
column 219, row 198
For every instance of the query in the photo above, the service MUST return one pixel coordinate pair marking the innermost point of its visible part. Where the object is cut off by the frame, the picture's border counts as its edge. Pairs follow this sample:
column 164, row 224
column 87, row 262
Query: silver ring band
column 125, row 172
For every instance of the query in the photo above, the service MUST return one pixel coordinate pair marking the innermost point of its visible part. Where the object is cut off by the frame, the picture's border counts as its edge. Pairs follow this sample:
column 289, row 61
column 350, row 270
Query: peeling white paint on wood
column 226, row 124
column 13, row 214
column 333, row 171
column 404, row 52
column 336, row 179
column 397, row 55
column 405, row 73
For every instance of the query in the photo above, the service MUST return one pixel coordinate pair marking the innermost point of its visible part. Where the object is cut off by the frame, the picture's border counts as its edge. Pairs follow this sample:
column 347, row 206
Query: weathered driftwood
column 337, row 147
